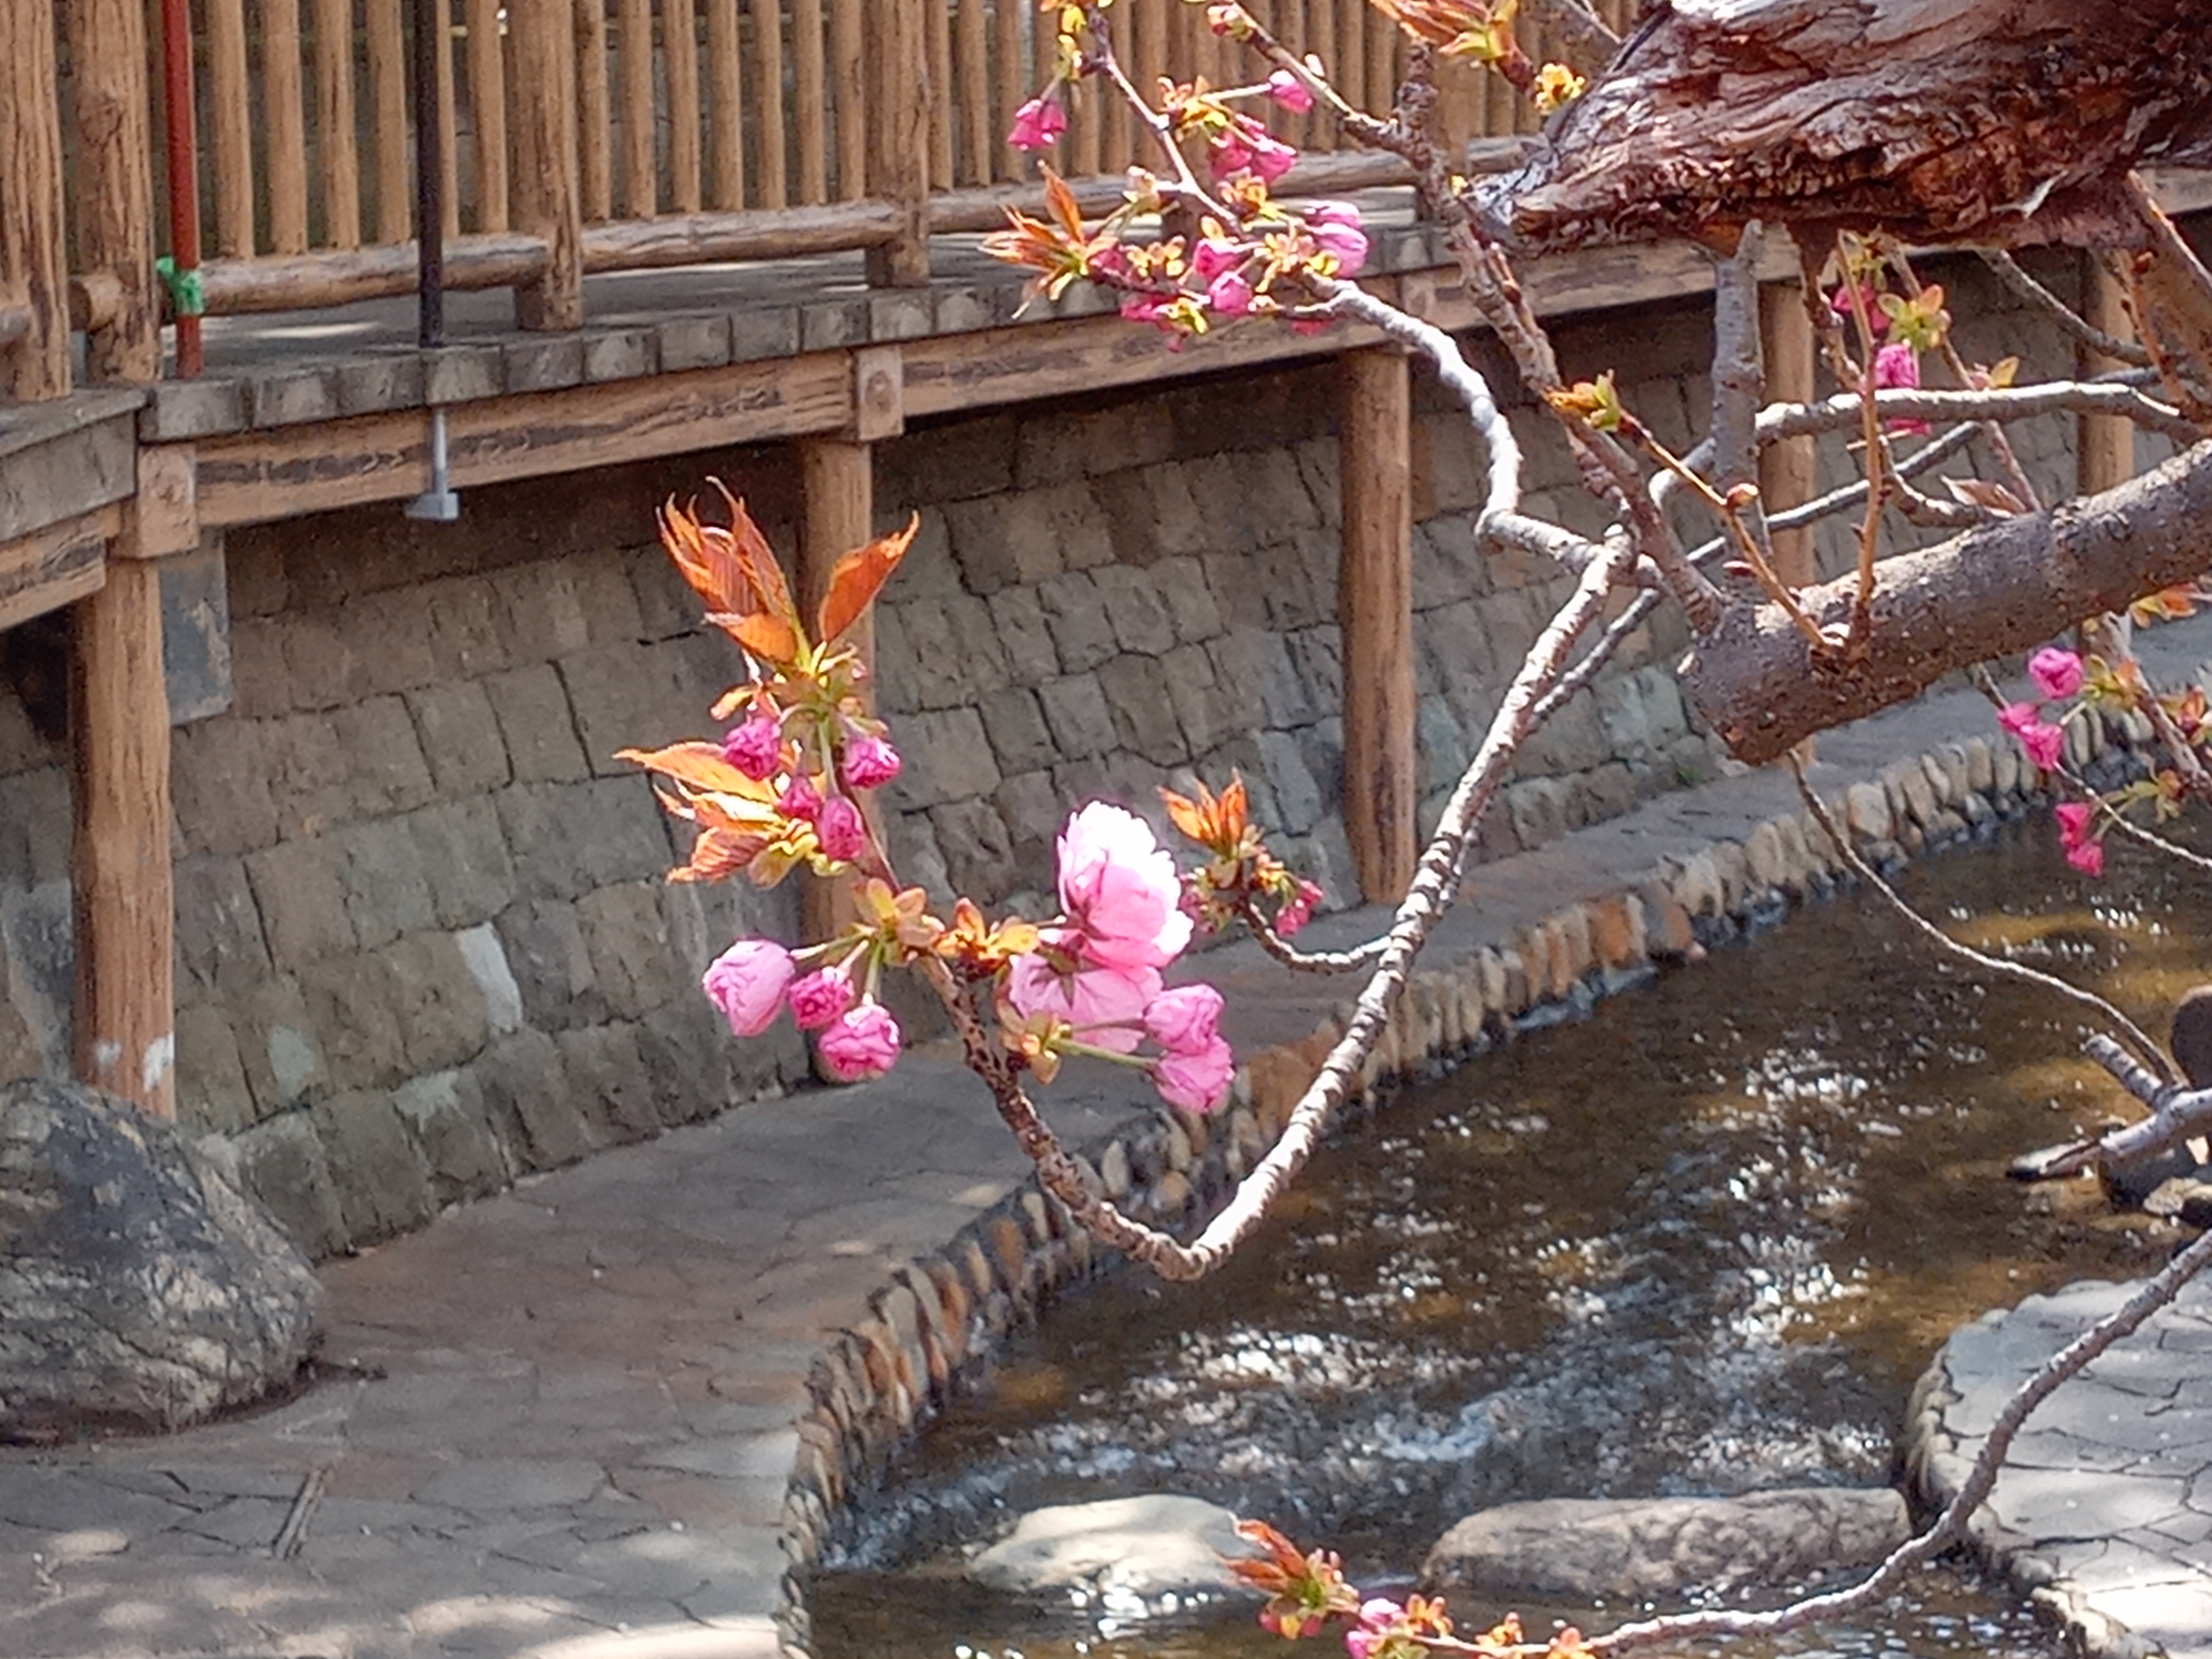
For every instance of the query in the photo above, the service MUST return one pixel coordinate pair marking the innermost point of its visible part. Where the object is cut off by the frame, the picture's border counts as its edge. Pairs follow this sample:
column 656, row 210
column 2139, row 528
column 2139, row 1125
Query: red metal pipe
column 184, row 178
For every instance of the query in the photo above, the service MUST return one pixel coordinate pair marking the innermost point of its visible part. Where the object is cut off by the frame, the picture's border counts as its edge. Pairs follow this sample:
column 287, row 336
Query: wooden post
column 125, row 1017
column 1788, row 470
column 2104, row 445
column 548, row 166
column 899, row 139
column 837, row 485
column 35, row 359
column 1375, row 611
column 113, row 188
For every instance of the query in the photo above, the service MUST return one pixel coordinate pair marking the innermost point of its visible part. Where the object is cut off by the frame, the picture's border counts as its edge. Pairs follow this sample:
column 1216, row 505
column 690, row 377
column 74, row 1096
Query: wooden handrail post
column 548, row 181
column 898, row 139
column 1787, row 470
column 114, row 187
column 2104, row 445
column 837, row 497
column 34, row 359
column 125, row 886
column 1375, row 613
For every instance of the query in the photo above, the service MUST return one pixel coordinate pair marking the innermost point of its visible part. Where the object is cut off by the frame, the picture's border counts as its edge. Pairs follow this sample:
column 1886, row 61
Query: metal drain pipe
column 440, row 503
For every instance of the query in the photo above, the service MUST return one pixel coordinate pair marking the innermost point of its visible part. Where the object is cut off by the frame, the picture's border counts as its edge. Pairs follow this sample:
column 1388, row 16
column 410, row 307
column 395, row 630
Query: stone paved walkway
column 560, row 1423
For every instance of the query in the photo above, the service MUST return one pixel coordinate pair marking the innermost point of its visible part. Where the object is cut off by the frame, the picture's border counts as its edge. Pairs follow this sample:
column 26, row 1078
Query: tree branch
column 2009, row 271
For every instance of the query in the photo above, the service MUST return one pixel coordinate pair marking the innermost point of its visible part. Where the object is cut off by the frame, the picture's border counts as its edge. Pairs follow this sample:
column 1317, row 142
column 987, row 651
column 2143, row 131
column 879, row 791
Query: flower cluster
column 1240, row 874
column 1899, row 326
column 756, row 979
column 2057, row 674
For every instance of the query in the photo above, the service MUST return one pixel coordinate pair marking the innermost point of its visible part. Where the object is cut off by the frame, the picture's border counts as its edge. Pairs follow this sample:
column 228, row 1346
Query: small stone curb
column 935, row 1324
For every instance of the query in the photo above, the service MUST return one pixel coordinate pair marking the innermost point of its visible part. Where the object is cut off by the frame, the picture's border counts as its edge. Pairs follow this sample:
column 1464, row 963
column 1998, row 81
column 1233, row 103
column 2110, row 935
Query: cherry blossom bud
column 870, row 762
column 2057, row 673
column 755, row 748
column 1336, row 226
column 821, row 997
column 861, row 1043
column 1183, row 1021
column 1230, row 295
column 801, row 800
column 1038, row 124
column 1199, row 1082
column 747, row 983
column 839, row 828
column 1287, row 90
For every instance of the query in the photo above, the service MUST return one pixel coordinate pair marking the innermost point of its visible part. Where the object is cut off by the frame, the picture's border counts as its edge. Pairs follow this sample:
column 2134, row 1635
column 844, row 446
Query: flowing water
column 1701, row 1241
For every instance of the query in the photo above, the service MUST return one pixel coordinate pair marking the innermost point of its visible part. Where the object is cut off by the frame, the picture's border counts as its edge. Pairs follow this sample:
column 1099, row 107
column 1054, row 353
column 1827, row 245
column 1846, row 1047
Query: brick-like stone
column 1028, row 536
column 1188, row 598
column 607, row 1071
column 1298, row 799
column 460, row 737
column 443, row 1018
column 525, row 1087
column 1018, row 624
column 979, row 852
column 444, row 1114
column 219, row 783
column 464, row 859
column 537, row 727
column 948, row 757
column 1076, row 711
column 626, row 937
column 384, row 766
column 301, row 894
column 353, row 1004
column 1082, row 628
column 551, row 963
column 379, row 868
column 277, row 1045
column 567, row 838
column 220, row 945
column 1137, row 691
column 634, row 695
column 376, row 1170
column 701, row 342
column 1015, row 724
column 1134, row 609
column 282, row 1164
column 1211, row 711
column 212, row 1093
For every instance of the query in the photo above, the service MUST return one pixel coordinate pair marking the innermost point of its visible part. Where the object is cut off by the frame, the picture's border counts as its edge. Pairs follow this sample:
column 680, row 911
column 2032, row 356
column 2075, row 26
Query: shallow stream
column 1703, row 1241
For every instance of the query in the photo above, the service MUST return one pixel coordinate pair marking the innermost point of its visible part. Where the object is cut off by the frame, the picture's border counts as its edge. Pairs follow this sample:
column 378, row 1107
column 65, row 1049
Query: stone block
column 1538, row 811
column 1076, row 712
column 1135, row 609
column 1440, row 748
column 283, row 1164
column 444, row 1114
column 633, row 696
column 1318, row 655
column 687, row 1051
column 551, row 963
column 1188, row 599
column 948, row 757
column 1254, row 657
column 979, row 852
column 470, row 631
column 1017, row 622
column 212, row 1093
column 464, row 861
column 1152, row 514
column 1082, row 630
column 220, row 946
column 536, row 728
column 620, row 354
column 1297, row 590
column 219, row 785
column 443, row 1014
column 950, row 656
column 1034, row 812
column 1236, row 597
column 384, row 765
column 1211, row 711
column 526, row 1090
column 1004, row 541
column 376, row 1170
column 277, row 1047
column 1015, row 723
column 1053, row 447
column 1143, row 705
column 971, row 459
column 197, row 666
column 701, row 342
column 1298, row 797
column 567, row 838
column 607, row 1071
column 300, row 891
column 460, row 737
column 1573, row 740
column 626, row 937
column 353, row 1004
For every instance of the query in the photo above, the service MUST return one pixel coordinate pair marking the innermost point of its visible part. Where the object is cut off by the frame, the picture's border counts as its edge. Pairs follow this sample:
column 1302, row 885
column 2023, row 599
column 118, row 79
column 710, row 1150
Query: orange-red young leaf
column 700, row 764
column 735, row 571
column 858, row 578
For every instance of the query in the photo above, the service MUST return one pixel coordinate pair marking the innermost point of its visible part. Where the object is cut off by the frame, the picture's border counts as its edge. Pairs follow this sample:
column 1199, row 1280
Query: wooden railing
column 587, row 136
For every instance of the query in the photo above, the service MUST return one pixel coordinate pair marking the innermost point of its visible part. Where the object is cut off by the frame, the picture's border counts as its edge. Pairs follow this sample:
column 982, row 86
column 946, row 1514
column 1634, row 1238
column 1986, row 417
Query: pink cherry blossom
column 2017, row 717
column 2088, row 856
column 1199, row 1082
column 840, row 829
column 821, row 997
column 1287, row 90
column 870, row 762
column 1299, row 911
column 1120, row 890
column 1184, row 1021
column 2046, row 746
column 2074, row 818
column 1336, row 226
column 1897, row 368
column 755, row 748
column 747, row 982
column 2057, row 673
column 1212, row 256
column 801, row 800
column 1230, row 294
column 861, row 1043
column 1846, row 306
column 1105, row 1005
column 1038, row 124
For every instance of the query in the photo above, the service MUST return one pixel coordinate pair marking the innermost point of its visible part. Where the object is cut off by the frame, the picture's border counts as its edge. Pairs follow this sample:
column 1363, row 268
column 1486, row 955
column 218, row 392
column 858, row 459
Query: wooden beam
column 34, row 364
column 2104, row 445
column 1375, row 613
column 899, row 139
column 55, row 565
column 547, row 203
column 114, row 182
column 285, row 472
column 1788, row 470
column 125, row 887
column 837, row 495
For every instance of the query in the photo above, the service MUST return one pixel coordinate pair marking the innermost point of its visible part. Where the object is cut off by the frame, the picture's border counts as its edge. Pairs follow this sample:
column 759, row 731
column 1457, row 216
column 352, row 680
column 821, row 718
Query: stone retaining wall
column 934, row 1325
column 424, row 946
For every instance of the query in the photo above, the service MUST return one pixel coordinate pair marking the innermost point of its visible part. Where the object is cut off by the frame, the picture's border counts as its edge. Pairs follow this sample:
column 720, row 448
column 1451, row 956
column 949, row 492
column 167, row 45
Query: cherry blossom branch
column 1844, row 497
column 1957, row 950
column 1950, row 1525
column 1436, row 882
column 1998, row 403
column 2177, row 1112
column 2010, row 272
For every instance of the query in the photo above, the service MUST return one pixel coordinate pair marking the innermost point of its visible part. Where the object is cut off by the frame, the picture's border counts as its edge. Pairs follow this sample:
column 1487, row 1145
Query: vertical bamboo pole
column 488, row 103
column 113, row 185
column 230, row 117
column 1014, row 87
column 767, row 83
column 679, row 45
column 1788, row 469
column 848, row 73
column 972, row 82
column 938, row 40
column 388, row 96
column 726, row 118
column 837, row 495
column 2105, row 444
column 125, row 886
column 284, row 124
column 449, row 126
column 546, row 201
column 640, row 128
column 1352, row 61
column 810, row 87
column 1381, row 65
column 1375, row 613
column 594, row 115
column 899, row 132
column 34, row 261
column 337, row 139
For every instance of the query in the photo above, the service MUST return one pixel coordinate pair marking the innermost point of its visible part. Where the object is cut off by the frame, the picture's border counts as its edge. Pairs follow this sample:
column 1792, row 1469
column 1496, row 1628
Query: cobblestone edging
column 939, row 1317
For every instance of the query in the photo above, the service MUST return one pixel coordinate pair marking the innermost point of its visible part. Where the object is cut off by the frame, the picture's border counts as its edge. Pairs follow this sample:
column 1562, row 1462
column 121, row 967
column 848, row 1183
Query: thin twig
column 2014, row 277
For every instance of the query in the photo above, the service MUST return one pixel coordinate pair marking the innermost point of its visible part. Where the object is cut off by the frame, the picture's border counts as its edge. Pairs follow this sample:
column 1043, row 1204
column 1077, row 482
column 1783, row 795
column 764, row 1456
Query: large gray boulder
column 1661, row 1546
column 138, row 1290
column 1144, row 1547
